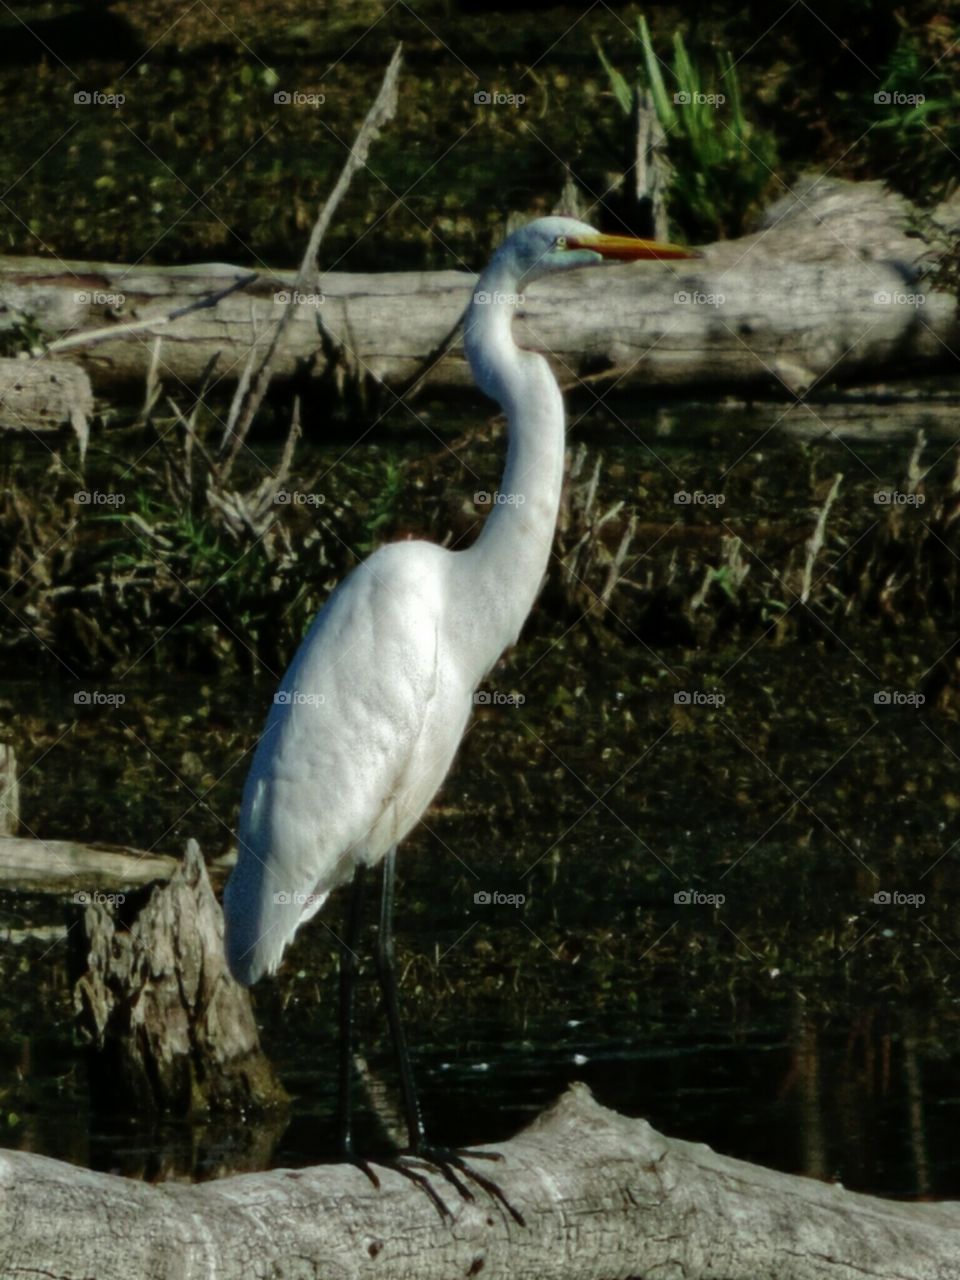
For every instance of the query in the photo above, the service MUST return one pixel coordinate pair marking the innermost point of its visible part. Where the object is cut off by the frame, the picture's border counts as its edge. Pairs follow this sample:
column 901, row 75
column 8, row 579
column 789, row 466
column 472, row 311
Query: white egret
column 369, row 715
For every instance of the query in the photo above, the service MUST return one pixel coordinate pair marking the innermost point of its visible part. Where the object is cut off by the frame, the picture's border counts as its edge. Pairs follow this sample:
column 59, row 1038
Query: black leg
column 348, row 973
column 451, row 1164
column 386, row 967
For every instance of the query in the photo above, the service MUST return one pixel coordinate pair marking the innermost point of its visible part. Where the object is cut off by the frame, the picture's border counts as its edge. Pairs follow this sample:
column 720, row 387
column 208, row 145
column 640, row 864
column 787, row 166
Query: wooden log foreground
column 603, row 1197
column 829, row 288
column 600, row 1195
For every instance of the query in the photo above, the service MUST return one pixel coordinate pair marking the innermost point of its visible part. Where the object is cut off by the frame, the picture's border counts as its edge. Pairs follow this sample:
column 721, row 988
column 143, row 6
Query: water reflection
column 867, row 1097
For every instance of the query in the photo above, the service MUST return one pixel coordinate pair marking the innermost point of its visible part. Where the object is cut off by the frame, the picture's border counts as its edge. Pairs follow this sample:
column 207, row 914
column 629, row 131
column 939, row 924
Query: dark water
column 799, row 1024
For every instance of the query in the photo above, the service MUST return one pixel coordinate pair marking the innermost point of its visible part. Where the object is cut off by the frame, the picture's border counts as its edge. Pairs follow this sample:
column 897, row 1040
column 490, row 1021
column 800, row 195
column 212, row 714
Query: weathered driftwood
column 873, row 419
column 64, row 867
column 801, row 300
column 48, row 934
column 169, row 1027
column 9, row 790
column 45, row 395
column 603, row 1197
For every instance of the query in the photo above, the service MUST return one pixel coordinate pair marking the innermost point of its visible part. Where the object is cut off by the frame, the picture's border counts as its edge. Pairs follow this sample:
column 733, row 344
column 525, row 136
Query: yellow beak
column 628, row 249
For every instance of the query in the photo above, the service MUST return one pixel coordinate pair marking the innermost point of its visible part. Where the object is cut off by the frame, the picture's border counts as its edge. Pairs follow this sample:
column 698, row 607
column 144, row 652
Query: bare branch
column 383, row 109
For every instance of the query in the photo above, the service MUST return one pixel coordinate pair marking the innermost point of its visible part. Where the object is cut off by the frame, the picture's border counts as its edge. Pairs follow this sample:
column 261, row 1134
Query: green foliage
column 177, row 578
column 722, row 163
column 218, row 591
column 917, row 143
column 385, row 504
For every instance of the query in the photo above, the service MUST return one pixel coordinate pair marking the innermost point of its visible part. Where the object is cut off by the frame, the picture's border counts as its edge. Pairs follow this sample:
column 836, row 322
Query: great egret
column 369, row 715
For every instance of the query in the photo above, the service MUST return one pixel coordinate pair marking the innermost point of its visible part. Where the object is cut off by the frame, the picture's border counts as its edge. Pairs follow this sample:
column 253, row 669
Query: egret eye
column 560, row 242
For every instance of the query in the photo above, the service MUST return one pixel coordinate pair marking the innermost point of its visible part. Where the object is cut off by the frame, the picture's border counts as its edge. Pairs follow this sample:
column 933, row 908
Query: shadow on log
column 603, row 1196
column 169, row 1028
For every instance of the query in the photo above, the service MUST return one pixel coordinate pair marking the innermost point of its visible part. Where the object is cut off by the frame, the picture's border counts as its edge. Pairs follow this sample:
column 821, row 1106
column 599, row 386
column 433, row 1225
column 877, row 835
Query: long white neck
column 502, row 571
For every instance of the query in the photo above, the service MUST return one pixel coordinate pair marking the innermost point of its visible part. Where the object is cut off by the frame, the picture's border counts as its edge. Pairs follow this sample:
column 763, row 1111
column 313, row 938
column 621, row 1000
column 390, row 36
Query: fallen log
column 871, row 418
column 9, row 790
column 42, row 395
column 603, row 1197
column 80, row 871
column 69, row 868
column 829, row 289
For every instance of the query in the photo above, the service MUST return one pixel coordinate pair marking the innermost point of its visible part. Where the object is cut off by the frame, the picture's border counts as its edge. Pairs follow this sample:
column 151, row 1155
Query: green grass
column 917, row 144
column 722, row 165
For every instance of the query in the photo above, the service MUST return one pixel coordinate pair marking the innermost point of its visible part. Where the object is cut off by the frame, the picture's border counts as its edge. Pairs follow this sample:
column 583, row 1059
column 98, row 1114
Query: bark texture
column 604, row 1198
column 170, row 1029
column 9, row 791
column 44, row 395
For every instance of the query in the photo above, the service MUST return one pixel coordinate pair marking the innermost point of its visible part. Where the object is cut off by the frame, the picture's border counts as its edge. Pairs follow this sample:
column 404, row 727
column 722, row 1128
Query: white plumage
column 372, row 709
column 367, row 721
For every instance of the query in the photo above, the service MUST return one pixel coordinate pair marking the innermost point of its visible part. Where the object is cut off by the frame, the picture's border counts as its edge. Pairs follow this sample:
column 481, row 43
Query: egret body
column 370, row 714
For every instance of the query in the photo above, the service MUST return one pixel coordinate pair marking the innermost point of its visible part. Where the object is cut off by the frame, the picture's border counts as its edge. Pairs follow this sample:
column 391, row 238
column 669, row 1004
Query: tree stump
column 169, row 1028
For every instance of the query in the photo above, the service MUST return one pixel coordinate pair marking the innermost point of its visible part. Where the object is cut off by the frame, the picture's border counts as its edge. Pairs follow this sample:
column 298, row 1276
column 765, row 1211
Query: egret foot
column 365, row 1167
column 453, row 1163
column 397, row 1165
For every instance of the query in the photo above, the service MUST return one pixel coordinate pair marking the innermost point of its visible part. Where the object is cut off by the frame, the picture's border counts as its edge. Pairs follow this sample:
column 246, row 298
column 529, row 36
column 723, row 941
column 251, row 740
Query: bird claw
column 450, row 1163
column 365, row 1167
column 410, row 1164
column 470, row 1154
column 396, row 1163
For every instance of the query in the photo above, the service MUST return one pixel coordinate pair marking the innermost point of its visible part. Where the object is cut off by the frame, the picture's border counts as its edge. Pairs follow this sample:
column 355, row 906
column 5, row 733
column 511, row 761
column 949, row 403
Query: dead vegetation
column 203, row 564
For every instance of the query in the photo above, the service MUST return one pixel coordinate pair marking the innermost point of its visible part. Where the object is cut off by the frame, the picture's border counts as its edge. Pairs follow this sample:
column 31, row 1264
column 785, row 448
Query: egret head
column 541, row 248
column 549, row 245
